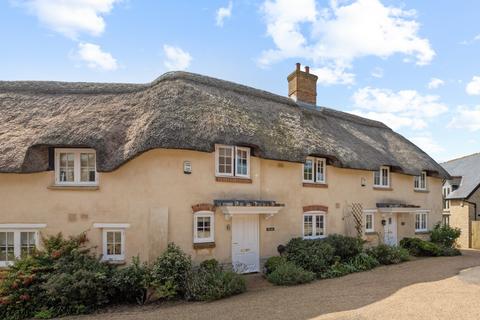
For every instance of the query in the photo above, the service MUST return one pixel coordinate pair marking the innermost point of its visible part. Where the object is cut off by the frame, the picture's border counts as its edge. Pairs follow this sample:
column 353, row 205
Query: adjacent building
column 223, row 170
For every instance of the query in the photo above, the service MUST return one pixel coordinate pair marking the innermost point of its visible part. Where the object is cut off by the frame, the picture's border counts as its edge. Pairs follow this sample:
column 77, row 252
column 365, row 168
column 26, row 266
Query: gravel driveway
column 431, row 288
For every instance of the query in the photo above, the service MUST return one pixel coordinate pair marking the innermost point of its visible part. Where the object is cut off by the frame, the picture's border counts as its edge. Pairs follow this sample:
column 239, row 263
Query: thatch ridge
column 181, row 110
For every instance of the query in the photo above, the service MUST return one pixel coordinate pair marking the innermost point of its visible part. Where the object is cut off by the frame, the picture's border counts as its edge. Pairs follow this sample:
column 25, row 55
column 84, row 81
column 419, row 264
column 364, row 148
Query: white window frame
column 421, row 214
column 76, row 167
column 315, row 162
column 372, row 228
column 113, row 257
column 419, row 180
column 204, row 214
column 17, row 245
column 381, row 180
column 315, row 215
column 446, row 190
column 234, row 172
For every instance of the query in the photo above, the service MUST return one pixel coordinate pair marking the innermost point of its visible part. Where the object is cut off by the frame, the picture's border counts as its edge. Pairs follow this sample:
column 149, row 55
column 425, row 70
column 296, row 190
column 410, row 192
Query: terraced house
column 223, row 170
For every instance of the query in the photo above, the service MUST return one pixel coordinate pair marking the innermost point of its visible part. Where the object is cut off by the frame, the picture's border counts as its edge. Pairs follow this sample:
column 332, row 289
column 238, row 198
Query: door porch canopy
column 396, row 208
column 232, row 207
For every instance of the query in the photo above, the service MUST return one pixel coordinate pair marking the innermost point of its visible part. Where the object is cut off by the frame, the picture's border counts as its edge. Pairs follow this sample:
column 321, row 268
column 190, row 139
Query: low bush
column 312, row 255
column 421, row 248
column 288, row 274
column 211, row 282
column 338, row 269
column 363, row 262
column 389, row 254
column 272, row 263
column 345, row 247
column 444, row 235
column 169, row 272
column 448, row 252
column 132, row 284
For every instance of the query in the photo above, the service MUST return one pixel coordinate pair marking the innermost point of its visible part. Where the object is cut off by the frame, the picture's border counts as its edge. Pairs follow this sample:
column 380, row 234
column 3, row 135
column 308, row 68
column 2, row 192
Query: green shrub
column 169, row 272
column 338, row 269
column 448, row 251
column 345, row 247
column 132, row 283
column 211, row 282
column 288, row 274
column 363, row 262
column 389, row 254
column 444, row 235
column 312, row 255
column 272, row 263
column 421, row 248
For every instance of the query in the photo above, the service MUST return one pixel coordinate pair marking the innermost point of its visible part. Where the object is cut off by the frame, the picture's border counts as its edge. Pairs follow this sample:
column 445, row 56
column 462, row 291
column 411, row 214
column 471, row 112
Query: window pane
column 6, row 246
column 368, row 221
column 242, row 159
column 307, row 226
column 203, row 227
column 87, row 167
column 308, row 170
column 376, row 178
column 66, row 171
column 319, row 228
column 109, row 237
column 385, row 177
column 225, row 163
column 320, row 172
column 27, row 243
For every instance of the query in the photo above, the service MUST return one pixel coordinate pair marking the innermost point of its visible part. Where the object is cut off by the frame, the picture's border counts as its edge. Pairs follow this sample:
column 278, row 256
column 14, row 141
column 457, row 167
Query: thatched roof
column 182, row 110
column 466, row 171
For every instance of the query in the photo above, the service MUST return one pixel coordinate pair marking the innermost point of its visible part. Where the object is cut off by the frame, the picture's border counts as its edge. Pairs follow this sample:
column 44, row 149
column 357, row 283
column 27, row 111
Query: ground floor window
column 314, row 225
column 369, row 222
column 16, row 244
column 114, row 244
column 203, row 227
column 421, row 221
column 446, row 220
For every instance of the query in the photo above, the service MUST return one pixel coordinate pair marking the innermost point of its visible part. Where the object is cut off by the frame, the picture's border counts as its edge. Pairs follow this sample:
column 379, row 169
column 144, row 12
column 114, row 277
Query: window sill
column 315, row 185
column 422, row 232
column 71, row 187
column 115, row 262
column 314, row 238
column 233, row 179
column 371, row 233
column 204, row 245
column 379, row 188
column 421, row 190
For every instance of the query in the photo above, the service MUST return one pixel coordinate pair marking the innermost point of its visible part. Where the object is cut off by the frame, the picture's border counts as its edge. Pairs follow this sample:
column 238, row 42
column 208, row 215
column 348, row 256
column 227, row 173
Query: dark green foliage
column 363, row 262
column 288, row 273
column 211, row 282
column 389, row 254
column 169, row 272
column 312, row 255
column 444, row 235
column 421, row 248
column 345, row 247
column 448, row 252
column 132, row 284
column 273, row 262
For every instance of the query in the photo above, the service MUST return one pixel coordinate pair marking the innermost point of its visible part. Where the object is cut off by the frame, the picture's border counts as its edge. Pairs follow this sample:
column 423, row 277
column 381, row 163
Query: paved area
column 431, row 288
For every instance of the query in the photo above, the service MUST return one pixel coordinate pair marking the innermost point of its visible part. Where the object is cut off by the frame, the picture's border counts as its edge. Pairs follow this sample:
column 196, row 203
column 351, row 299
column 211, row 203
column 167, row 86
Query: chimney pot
column 302, row 85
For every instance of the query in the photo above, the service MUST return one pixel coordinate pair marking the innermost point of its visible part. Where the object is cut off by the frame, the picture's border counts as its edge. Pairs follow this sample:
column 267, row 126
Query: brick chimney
column 302, row 85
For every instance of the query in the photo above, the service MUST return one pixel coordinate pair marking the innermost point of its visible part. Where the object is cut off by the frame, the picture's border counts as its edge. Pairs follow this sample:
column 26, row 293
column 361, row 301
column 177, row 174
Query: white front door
column 245, row 243
column 390, row 229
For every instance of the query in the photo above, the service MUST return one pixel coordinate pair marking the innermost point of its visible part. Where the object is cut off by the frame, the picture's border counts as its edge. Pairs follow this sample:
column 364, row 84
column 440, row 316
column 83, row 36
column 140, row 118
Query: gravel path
column 431, row 288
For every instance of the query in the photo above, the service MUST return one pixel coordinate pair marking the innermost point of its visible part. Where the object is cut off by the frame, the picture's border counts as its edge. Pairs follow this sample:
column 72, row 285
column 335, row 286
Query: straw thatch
column 181, row 110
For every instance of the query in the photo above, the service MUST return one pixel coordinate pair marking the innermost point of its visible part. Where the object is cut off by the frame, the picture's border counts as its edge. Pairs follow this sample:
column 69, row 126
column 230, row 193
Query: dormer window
column 420, row 182
column 75, row 167
column 381, row 178
column 232, row 161
column 314, row 170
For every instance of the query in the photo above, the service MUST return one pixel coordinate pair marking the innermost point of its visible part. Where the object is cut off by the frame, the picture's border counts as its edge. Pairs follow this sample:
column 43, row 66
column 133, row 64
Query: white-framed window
column 17, row 243
column 369, row 222
column 421, row 221
column 203, row 227
column 381, row 178
column 314, row 170
column 420, row 182
column 314, row 225
column 75, row 167
column 114, row 244
column 232, row 161
column 447, row 189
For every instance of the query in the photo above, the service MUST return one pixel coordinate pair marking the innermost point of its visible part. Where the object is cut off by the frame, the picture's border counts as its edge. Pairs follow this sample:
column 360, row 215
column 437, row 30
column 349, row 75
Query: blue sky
column 411, row 64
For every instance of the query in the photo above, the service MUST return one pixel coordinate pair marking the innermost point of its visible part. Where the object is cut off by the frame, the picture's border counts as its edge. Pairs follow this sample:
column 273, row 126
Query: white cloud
column 377, row 72
column 176, row 58
column 435, row 83
column 404, row 108
column 342, row 32
column 427, row 144
column 223, row 13
column 473, row 87
column 73, row 17
column 95, row 58
column 466, row 118
column 333, row 75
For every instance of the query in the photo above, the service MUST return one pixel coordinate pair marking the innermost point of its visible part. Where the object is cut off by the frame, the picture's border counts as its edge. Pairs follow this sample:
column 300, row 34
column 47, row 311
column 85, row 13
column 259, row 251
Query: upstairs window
column 314, row 170
column 381, row 178
column 420, row 182
column 314, row 225
column 232, row 161
column 75, row 167
column 446, row 191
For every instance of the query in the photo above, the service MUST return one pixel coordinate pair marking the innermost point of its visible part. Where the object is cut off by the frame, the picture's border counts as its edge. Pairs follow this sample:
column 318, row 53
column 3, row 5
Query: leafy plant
column 363, row 262
column 287, row 274
column 133, row 283
column 273, row 262
column 421, row 248
column 445, row 235
column 389, row 254
column 169, row 272
column 312, row 255
column 345, row 247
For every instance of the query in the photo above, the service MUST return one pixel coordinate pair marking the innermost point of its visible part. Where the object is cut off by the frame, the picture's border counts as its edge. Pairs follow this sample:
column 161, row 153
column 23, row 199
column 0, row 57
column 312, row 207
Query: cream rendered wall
column 151, row 191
